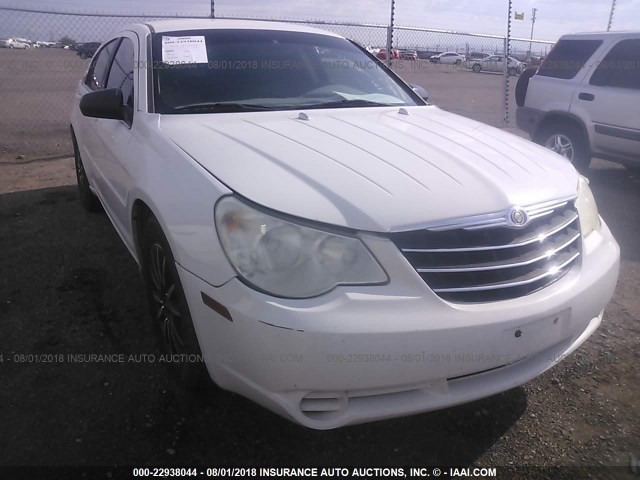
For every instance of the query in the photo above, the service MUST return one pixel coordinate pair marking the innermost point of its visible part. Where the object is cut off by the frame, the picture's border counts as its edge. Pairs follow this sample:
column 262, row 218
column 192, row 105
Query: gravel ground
column 38, row 87
column 70, row 287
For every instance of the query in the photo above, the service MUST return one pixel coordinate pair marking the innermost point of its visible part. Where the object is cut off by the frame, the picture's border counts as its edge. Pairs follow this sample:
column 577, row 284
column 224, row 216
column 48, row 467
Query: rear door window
column 620, row 67
column 567, row 57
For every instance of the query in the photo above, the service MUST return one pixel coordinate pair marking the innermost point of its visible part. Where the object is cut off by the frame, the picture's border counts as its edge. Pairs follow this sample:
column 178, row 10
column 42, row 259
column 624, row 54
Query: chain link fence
column 461, row 71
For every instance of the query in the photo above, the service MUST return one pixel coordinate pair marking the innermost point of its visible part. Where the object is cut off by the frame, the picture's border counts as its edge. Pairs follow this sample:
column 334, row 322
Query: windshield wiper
column 354, row 102
column 221, row 107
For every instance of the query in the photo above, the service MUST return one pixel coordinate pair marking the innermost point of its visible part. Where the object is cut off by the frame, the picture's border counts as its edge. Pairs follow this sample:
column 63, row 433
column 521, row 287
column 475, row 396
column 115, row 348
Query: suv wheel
column 169, row 310
column 568, row 141
column 476, row 67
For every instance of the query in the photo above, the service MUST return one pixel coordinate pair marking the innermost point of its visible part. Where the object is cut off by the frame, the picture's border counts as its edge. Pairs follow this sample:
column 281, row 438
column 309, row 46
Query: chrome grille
column 487, row 258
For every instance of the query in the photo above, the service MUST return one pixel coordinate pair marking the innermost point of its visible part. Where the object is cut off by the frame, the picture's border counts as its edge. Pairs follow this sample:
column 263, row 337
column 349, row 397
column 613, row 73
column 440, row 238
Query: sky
column 553, row 18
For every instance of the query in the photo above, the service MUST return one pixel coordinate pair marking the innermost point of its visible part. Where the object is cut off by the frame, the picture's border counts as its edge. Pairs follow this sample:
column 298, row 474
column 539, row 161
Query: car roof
column 591, row 35
column 161, row 26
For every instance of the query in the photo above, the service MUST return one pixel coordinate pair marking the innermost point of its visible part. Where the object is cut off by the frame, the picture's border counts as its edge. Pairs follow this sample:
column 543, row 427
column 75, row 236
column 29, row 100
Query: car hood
column 375, row 169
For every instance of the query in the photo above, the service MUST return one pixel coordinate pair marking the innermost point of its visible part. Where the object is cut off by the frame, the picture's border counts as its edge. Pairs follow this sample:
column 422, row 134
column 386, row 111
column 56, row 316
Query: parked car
column 448, row 58
column 24, row 41
column 86, row 50
column 495, row 63
column 15, row 43
column 322, row 240
column 382, row 54
column 424, row 54
column 530, row 60
column 477, row 56
column 584, row 100
column 408, row 55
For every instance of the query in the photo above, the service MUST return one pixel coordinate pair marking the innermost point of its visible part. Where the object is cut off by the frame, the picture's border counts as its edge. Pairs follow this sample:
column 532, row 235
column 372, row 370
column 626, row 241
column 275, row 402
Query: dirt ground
column 69, row 287
column 37, row 88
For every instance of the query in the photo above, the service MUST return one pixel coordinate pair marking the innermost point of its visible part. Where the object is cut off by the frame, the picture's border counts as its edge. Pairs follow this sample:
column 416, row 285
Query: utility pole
column 533, row 22
column 613, row 7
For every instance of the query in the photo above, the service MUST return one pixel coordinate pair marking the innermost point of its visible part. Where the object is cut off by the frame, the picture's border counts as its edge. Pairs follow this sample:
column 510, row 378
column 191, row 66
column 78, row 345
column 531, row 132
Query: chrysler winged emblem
column 518, row 217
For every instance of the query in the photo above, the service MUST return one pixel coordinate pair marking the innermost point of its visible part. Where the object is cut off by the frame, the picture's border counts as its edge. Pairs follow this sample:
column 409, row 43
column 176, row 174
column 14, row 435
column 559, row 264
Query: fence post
column 505, row 69
column 390, row 33
column 213, row 9
column 613, row 8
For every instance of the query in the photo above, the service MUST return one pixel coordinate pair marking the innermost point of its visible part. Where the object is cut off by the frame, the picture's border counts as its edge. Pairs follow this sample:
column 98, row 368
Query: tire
column 88, row 200
column 476, row 67
column 569, row 141
column 169, row 311
column 458, row 62
column 512, row 71
column 523, row 85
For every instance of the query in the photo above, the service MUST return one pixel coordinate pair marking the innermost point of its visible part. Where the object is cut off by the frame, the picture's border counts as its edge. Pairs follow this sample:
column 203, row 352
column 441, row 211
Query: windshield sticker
column 191, row 49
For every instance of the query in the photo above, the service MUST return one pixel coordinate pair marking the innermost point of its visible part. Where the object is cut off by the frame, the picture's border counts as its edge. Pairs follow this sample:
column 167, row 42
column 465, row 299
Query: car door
column 496, row 64
column 115, row 136
column 91, row 148
column 610, row 100
column 448, row 58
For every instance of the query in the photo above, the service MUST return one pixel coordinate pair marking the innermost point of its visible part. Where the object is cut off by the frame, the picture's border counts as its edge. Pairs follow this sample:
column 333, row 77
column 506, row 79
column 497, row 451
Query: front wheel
column 568, row 141
column 169, row 309
column 458, row 62
column 88, row 200
column 476, row 68
column 512, row 71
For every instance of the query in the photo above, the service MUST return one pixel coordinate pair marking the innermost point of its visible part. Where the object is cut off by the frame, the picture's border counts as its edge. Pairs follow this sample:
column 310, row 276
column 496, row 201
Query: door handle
column 586, row 96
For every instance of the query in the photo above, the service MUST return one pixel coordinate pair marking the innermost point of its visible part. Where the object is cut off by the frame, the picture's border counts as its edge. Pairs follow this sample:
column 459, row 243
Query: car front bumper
column 366, row 353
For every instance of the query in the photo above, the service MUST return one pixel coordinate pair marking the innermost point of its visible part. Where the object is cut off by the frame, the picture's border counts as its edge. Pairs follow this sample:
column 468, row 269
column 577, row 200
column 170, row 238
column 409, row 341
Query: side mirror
column 103, row 104
column 424, row 94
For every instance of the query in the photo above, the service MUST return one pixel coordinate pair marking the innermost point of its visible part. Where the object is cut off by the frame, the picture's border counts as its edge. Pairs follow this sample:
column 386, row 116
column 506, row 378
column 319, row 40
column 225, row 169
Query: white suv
column 584, row 100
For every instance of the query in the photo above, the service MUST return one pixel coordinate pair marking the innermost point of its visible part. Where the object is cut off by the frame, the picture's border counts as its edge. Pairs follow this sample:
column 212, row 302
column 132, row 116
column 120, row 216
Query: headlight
column 289, row 260
column 587, row 209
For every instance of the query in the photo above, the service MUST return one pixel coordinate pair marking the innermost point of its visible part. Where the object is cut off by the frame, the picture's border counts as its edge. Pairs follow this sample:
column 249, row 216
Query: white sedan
column 317, row 238
column 495, row 63
column 448, row 58
column 15, row 43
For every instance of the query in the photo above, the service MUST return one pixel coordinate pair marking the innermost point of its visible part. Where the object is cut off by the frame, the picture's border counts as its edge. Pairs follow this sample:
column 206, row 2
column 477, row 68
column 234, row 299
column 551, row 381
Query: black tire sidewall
column 192, row 374
column 523, row 85
column 86, row 197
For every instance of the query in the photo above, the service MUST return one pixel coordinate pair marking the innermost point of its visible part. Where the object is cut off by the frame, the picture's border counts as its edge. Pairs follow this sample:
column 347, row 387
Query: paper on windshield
column 189, row 49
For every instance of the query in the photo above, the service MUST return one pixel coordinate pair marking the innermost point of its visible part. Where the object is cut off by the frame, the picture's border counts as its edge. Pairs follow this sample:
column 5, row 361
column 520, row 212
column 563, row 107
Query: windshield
column 208, row 71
